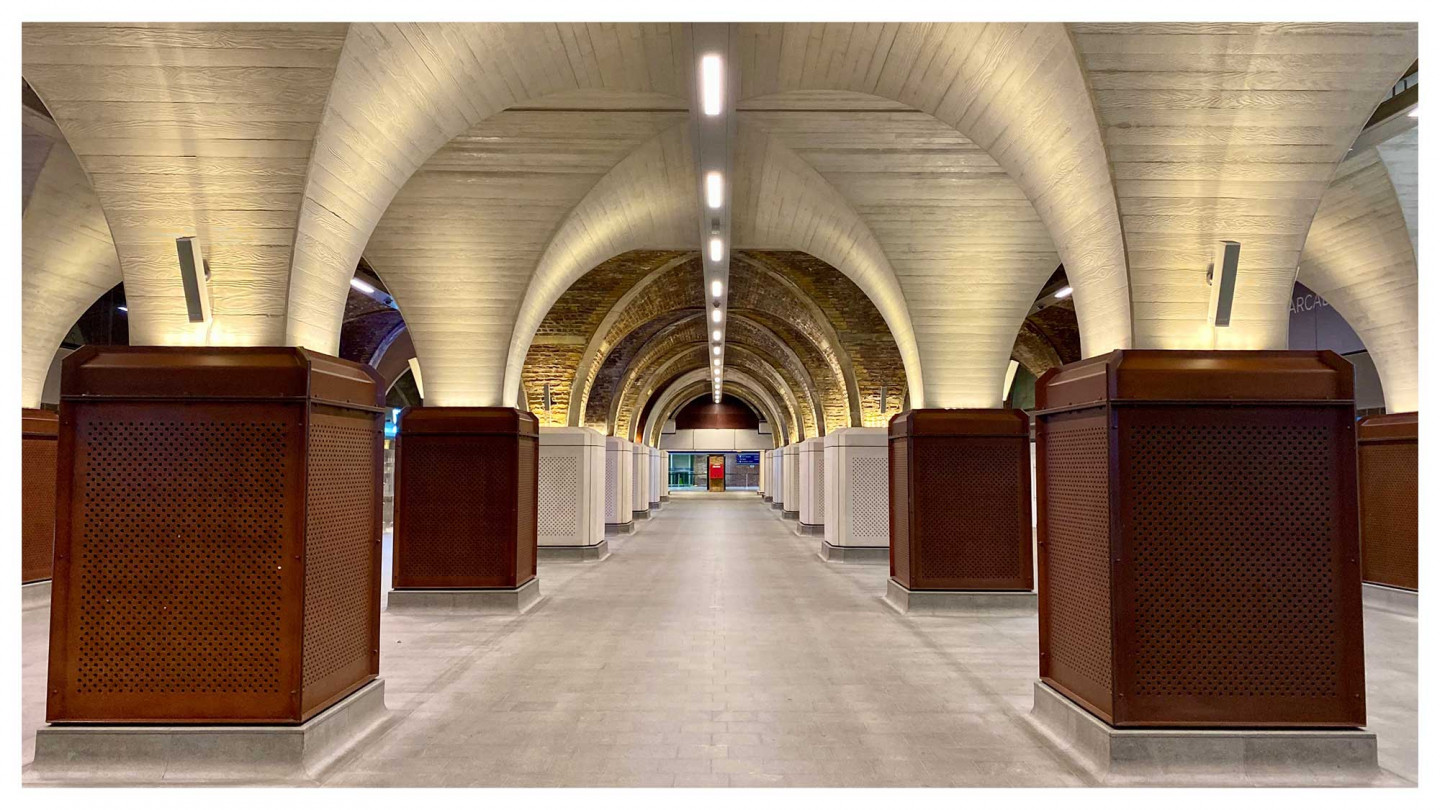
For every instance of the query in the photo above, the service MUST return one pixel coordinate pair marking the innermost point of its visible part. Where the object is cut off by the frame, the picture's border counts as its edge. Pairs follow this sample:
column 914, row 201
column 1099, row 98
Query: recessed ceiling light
column 715, row 315
column 716, row 350
column 710, row 84
column 1064, row 292
column 715, row 335
column 717, row 248
column 714, row 189
column 361, row 286
column 716, row 288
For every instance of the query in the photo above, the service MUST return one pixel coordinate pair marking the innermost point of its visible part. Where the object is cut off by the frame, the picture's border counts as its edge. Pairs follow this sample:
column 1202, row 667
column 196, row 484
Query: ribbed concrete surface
column 714, row 648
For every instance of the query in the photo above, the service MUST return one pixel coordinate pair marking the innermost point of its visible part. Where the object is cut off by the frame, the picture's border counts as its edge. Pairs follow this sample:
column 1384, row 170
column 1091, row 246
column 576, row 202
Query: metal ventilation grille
column 1077, row 552
column 612, row 487
column 980, row 540
column 339, row 548
column 1231, row 540
column 818, row 496
column 899, row 502
column 463, row 486
column 178, row 557
column 560, row 496
column 37, row 508
column 525, row 491
column 870, row 500
column 1389, row 528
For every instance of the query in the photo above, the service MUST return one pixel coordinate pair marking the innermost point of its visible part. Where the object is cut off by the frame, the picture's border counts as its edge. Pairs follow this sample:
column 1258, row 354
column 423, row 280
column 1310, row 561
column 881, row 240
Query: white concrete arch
column 403, row 91
column 67, row 258
column 1015, row 90
column 465, row 248
column 1221, row 131
column 193, row 129
column 782, row 203
column 1359, row 257
column 968, row 249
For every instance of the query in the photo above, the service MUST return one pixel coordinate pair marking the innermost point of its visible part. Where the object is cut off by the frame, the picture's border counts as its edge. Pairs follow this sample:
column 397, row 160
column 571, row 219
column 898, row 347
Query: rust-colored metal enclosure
column 39, row 431
column 1199, row 549
column 217, row 548
column 1390, row 499
column 466, row 498
column 960, row 500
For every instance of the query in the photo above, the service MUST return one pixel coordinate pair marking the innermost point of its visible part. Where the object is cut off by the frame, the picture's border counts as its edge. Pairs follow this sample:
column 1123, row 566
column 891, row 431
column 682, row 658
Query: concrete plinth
column 808, row 530
column 612, row 529
column 1206, row 756
column 1395, row 600
column 641, row 514
column 35, row 595
column 488, row 600
column 654, row 506
column 864, row 555
column 118, row 754
column 777, row 505
column 767, row 499
column 594, row 553
column 967, row 603
column 790, row 514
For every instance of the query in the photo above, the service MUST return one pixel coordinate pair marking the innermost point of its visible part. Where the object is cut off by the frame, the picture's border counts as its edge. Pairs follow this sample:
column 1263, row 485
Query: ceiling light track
column 712, row 121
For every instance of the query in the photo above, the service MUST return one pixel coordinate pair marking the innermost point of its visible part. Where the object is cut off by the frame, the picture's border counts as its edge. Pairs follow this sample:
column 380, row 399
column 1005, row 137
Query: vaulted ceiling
column 942, row 171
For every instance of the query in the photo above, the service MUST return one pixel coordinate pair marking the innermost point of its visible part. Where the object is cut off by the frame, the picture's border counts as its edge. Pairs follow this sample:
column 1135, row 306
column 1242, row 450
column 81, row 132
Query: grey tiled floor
column 715, row 648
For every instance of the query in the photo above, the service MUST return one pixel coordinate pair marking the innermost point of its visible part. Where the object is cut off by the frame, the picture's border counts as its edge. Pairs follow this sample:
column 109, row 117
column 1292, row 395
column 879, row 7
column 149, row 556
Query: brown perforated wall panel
column 342, row 559
column 216, row 556
column 1072, row 458
column 1199, row 539
column 181, row 590
column 962, row 503
column 1389, row 507
column 899, row 503
column 37, row 494
column 527, row 529
column 466, row 500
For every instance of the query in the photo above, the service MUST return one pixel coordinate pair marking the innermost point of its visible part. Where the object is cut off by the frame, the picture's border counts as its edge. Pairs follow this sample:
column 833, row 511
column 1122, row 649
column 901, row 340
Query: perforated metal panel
column 982, row 543
column 1389, row 504
column 527, row 507
column 899, row 493
column 818, row 465
column 216, row 556
column 466, row 498
column 37, row 506
column 341, row 558
column 560, row 496
column 870, row 489
column 1199, row 561
column 1076, row 639
column 1229, row 548
column 612, row 487
column 458, row 497
column 181, row 564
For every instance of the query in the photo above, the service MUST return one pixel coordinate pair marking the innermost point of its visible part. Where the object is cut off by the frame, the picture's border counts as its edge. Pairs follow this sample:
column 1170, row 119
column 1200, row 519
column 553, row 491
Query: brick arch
column 590, row 305
column 697, row 390
column 695, row 358
column 683, row 387
column 641, row 373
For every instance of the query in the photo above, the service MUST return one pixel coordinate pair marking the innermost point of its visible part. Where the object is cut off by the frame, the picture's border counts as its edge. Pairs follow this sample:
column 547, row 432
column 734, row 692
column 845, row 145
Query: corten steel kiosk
column 1389, row 450
column 39, row 432
column 1199, row 549
column 217, row 545
column 466, row 502
column 960, row 505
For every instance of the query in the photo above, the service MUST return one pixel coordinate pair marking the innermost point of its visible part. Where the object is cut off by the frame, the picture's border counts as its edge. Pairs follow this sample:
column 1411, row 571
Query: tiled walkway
column 714, row 648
